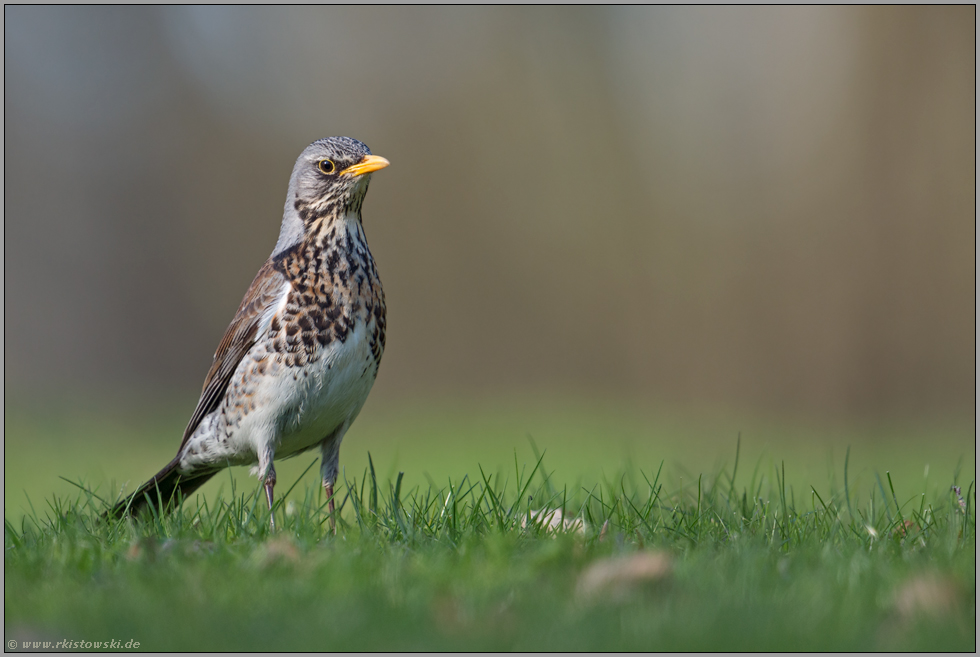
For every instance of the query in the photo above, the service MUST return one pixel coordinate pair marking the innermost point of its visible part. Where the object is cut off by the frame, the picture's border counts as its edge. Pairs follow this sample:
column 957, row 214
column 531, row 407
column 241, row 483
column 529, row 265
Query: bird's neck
column 340, row 233
column 337, row 251
column 304, row 220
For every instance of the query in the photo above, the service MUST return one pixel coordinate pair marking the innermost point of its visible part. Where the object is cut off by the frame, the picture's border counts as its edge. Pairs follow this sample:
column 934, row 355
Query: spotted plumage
column 297, row 362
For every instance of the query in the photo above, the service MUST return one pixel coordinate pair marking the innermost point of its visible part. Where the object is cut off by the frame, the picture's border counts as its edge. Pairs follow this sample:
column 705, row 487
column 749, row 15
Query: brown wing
column 265, row 291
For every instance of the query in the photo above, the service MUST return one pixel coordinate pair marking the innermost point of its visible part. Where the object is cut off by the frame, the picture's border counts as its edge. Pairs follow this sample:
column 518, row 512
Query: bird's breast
column 333, row 290
column 319, row 358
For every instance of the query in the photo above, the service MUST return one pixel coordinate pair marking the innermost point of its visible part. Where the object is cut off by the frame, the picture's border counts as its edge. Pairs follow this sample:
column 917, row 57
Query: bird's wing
column 261, row 302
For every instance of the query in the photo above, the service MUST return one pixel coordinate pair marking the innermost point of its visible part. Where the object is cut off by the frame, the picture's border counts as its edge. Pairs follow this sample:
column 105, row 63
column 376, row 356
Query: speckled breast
column 329, row 336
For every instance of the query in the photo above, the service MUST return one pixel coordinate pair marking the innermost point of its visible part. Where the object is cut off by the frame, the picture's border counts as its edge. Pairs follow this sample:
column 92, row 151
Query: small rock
column 618, row 577
column 928, row 596
column 553, row 520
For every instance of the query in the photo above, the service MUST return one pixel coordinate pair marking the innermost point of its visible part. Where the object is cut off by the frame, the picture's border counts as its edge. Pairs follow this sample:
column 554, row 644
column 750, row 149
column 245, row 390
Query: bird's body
column 297, row 362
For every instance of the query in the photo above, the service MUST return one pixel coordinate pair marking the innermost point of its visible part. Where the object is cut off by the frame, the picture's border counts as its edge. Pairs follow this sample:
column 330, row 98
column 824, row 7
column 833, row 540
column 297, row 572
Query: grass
column 111, row 445
column 742, row 559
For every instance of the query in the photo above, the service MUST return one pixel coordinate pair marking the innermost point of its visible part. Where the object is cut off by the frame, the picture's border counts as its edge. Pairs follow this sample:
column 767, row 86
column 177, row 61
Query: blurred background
column 632, row 234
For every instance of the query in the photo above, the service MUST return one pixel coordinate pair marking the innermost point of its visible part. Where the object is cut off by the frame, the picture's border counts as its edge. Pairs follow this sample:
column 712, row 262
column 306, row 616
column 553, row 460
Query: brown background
column 769, row 208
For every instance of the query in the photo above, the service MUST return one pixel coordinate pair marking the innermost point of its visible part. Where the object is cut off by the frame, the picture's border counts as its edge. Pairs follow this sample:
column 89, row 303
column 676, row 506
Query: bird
column 298, row 360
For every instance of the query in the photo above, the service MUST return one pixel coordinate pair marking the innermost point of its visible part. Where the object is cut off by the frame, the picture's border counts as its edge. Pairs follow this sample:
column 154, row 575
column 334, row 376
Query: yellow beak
column 367, row 165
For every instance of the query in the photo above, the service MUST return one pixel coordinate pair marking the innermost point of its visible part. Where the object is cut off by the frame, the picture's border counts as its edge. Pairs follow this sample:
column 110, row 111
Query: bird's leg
column 267, row 473
column 270, row 483
column 329, row 467
column 328, row 489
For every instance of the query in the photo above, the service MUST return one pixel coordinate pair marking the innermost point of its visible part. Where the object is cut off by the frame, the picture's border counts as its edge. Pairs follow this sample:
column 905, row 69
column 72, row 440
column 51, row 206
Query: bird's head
column 329, row 181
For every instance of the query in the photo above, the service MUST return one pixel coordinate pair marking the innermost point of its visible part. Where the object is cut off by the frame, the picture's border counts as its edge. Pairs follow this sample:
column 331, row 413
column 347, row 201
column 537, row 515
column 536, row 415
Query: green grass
column 744, row 559
column 588, row 440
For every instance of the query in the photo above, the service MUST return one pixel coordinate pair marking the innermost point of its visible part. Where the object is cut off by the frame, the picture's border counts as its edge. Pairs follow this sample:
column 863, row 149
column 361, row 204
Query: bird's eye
column 326, row 166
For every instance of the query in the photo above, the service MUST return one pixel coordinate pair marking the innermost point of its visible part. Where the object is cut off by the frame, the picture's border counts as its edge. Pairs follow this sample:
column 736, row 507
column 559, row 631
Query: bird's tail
column 164, row 490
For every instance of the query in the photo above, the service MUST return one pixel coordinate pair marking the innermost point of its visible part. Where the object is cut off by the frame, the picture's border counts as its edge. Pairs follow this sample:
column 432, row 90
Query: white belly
column 289, row 409
column 324, row 395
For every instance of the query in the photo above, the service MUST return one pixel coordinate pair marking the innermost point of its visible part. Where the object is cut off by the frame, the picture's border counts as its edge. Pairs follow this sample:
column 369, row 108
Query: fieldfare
column 297, row 362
